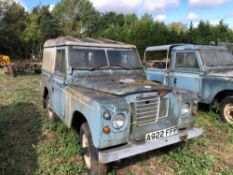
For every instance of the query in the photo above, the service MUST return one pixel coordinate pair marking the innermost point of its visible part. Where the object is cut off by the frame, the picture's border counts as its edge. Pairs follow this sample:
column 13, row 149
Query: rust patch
column 141, row 83
column 184, row 138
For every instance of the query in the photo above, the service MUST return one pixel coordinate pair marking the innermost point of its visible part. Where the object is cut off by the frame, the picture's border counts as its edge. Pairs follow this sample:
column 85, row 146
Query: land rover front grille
column 147, row 109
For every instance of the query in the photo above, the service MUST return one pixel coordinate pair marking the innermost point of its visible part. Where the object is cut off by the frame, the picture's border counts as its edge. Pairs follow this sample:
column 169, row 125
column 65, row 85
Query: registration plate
column 152, row 136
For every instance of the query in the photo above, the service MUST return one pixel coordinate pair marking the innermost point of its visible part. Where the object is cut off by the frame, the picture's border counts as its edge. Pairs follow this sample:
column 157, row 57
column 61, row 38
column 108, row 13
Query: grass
column 30, row 144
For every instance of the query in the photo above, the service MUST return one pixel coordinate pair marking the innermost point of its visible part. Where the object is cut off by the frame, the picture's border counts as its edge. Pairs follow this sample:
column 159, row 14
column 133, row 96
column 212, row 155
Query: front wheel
column 90, row 153
column 226, row 109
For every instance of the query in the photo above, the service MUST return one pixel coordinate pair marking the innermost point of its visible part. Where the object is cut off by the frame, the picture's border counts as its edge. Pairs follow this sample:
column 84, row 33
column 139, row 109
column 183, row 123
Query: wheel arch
column 45, row 95
column 80, row 111
column 45, row 92
column 222, row 94
column 77, row 120
column 155, row 81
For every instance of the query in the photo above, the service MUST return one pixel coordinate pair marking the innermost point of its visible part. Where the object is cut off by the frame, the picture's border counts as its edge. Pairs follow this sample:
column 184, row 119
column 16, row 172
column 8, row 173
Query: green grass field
column 30, row 144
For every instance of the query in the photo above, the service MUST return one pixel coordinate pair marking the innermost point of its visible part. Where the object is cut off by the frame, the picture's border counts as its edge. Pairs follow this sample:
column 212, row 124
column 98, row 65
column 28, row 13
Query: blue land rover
column 99, row 87
column 205, row 70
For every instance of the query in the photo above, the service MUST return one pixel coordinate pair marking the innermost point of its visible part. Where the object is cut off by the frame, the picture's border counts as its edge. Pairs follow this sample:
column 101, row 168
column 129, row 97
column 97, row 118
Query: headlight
column 118, row 121
column 185, row 109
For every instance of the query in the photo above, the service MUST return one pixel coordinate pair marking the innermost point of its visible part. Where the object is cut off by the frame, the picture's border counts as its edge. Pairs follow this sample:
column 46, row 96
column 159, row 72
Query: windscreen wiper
column 139, row 67
column 128, row 68
column 96, row 67
column 122, row 66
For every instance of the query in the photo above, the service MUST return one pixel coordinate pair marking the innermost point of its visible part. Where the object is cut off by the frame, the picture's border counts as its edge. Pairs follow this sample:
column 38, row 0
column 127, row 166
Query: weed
column 31, row 145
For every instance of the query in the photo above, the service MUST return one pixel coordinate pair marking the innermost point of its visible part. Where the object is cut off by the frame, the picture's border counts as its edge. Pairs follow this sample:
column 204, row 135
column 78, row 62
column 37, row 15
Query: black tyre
column 37, row 71
column 226, row 109
column 90, row 153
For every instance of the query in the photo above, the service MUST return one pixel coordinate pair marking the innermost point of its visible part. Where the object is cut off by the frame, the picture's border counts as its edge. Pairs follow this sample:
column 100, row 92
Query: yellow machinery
column 4, row 60
column 12, row 68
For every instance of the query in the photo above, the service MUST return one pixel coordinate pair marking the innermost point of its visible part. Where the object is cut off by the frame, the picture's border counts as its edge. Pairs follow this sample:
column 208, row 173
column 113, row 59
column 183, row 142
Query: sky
column 167, row 11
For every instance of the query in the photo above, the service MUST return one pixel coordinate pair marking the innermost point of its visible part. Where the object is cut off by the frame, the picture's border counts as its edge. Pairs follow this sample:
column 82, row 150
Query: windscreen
column 87, row 58
column 98, row 58
column 216, row 58
column 123, row 58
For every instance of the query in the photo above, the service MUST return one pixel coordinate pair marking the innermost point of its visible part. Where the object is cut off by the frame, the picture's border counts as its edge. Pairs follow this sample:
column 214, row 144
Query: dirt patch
column 13, row 133
column 146, row 164
column 223, row 152
column 77, row 159
column 50, row 137
column 227, row 153
column 21, row 122
column 1, row 99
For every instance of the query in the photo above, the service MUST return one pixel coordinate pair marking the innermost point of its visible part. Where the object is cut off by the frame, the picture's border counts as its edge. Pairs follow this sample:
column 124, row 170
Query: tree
column 144, row 32
column 88, row 17
column 41, row 26
column 23, row 33
column 178, row 27
column 12, row 22
column 76, row 17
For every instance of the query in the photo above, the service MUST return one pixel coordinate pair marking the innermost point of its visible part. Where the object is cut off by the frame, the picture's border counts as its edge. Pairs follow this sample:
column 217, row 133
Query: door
column 186, row 72
column 157, row 64
column 59, row 83
column 157, row 75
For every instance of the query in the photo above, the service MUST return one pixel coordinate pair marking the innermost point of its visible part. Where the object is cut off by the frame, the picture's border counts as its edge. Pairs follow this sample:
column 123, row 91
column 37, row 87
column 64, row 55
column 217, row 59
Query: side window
column 156, row 59
column 60, row 65
column 186, row 60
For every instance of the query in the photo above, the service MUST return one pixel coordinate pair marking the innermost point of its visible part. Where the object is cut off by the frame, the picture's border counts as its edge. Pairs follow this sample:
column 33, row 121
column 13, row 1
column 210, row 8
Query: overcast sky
column 162, row 10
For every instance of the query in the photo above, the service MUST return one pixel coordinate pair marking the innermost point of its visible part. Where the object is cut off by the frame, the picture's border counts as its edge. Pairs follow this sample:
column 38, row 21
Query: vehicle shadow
column 20, row 129
column 28, row 74
column 204, row 107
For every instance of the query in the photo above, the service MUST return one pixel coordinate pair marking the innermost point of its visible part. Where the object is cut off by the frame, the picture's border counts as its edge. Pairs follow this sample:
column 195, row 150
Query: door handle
column 52, row 89
column 175, row 80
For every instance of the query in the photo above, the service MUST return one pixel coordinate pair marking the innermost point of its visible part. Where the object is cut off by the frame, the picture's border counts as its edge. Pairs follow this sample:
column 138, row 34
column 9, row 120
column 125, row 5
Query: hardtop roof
column 163, row 47
column 199, row 47
column 88, row 42
column 184, row 47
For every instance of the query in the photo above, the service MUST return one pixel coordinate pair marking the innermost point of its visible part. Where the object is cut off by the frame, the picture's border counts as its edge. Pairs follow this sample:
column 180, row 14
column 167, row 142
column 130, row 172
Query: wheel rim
column 228, row 113
column 50, row 112
column 85, row 144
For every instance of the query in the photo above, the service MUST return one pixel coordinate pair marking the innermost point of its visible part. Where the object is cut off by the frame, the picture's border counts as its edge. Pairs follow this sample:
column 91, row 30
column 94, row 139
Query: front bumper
column 129, row 150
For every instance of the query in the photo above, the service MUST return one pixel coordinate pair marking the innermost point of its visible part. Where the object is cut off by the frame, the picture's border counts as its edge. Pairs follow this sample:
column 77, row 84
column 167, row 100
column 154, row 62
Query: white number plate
column 152, row 136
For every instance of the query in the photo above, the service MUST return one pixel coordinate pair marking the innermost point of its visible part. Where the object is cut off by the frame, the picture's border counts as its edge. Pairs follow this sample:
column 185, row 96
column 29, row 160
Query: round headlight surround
column 185, row 109
column 118, row 121
column 107, row 115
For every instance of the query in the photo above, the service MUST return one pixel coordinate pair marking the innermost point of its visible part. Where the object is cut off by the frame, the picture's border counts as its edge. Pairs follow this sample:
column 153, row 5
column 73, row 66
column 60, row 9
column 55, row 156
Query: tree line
column 23, row 33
